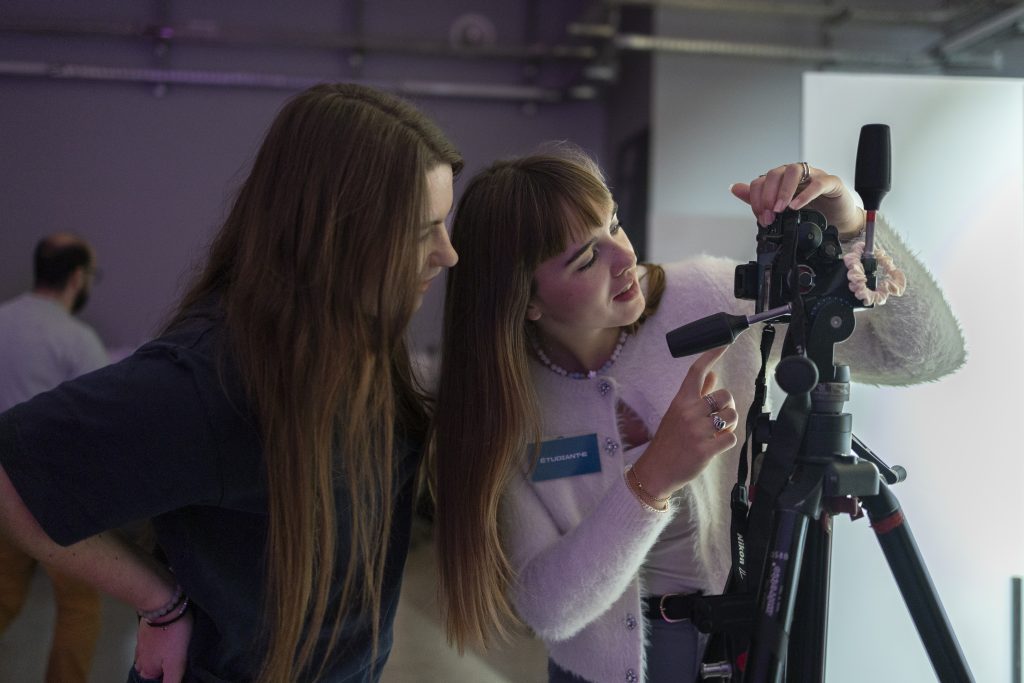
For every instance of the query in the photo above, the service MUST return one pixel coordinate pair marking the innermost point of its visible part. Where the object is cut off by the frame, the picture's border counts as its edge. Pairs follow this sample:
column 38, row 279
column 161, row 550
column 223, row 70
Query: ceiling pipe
column 212, row 33
column 971, row 36
column 164, row 77
column 723, row 48
column 831, row 12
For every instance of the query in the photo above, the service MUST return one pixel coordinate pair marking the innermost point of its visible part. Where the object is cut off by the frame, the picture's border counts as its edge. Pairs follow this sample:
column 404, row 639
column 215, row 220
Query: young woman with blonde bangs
column 273, row 431
column 578, row 480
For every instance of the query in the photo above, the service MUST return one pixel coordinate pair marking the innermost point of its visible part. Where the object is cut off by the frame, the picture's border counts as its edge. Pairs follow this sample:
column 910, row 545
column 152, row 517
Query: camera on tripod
column 797, row 254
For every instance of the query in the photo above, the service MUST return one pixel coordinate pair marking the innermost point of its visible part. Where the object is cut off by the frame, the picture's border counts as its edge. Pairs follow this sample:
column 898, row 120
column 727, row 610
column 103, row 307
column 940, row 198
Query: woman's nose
column 443, row 255
column 625, row 259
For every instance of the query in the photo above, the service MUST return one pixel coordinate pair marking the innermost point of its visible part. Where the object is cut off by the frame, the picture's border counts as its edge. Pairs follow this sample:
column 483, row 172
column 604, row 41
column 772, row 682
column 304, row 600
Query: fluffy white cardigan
column 578, row 542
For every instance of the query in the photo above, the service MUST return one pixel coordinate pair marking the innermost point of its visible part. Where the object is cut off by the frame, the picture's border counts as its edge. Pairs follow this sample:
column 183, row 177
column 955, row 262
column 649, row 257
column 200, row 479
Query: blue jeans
column 674, row 653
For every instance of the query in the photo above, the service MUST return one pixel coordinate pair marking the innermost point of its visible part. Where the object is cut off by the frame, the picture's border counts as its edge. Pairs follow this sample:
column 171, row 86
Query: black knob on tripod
column 796, row 374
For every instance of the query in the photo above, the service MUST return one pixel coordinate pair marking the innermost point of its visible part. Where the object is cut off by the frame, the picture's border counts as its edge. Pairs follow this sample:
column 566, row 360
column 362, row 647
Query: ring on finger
column 718, row 423
column 712, row 403
column 805, row 177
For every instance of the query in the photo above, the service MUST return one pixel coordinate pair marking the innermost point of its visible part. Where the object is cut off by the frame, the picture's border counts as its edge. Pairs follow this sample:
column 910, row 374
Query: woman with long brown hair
column 273, row 432
column 577, row 481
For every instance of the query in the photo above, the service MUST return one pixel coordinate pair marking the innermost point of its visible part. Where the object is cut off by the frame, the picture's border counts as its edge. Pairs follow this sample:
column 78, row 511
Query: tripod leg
column 806, row 661
column 915, row 585
column 780, row 578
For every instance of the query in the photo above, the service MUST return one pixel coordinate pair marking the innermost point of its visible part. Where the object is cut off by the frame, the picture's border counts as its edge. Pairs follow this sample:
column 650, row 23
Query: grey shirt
column 42, row 345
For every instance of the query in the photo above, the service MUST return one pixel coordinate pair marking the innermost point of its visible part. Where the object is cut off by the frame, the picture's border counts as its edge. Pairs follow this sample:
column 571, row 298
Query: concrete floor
column 420, row 654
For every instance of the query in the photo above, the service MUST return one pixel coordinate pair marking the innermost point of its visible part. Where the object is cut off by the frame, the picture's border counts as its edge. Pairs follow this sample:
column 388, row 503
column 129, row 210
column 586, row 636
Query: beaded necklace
column 559, row 370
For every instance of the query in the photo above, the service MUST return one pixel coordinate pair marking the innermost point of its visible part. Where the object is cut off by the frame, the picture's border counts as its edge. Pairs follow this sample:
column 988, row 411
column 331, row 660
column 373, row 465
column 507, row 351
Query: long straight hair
column 511, row 217
column 316, row 268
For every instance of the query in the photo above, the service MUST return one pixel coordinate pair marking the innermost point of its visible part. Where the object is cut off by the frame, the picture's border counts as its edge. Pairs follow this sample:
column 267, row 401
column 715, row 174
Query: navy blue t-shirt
column 166, row 434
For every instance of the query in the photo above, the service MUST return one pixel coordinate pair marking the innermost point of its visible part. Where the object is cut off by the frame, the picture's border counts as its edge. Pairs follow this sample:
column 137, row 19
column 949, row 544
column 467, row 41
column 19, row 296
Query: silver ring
column 718, row 422
column 806, row 177
column 712, row 403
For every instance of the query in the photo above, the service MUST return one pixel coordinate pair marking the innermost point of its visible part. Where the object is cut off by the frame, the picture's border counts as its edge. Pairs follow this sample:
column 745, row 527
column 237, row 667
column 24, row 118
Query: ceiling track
column 829, row 12
column 160, row 79
column 959, row 27
column 214, row 34
column 722, row 48
column 983, row 30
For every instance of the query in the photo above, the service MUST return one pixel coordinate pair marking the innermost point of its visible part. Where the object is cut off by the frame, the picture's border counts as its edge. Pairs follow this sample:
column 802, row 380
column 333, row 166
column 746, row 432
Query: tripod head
column 799, row 277
column 799, row 257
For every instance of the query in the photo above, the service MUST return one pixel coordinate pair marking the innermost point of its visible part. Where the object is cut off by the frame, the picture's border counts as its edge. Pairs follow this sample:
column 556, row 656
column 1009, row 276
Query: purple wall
column 148, row 178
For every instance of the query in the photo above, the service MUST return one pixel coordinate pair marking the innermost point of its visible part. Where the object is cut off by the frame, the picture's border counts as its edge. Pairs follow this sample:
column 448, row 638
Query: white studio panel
column 714, row 123
column 958, row 197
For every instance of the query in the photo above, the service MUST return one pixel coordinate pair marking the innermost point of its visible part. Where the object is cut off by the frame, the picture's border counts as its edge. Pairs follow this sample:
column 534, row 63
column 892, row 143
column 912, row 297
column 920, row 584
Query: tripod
column 814, row 468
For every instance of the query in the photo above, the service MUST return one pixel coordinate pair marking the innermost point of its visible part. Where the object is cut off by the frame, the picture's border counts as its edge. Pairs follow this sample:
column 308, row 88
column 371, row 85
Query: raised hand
column 799, row 185
column 698, row 425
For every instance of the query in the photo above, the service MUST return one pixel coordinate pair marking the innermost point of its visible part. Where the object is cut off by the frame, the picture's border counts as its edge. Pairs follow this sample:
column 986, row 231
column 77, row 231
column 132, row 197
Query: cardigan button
column 604, row 387
column 611, row 445
column 631, row 676
column 631, row 622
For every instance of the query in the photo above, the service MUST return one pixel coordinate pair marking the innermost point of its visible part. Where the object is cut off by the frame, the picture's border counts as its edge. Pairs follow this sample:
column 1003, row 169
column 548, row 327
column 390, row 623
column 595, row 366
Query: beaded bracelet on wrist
column 175, row 617
column 169, row 607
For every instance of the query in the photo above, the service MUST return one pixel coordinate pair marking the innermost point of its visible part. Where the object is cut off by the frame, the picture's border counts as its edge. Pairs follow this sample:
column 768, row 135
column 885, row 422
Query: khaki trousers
column 78, row 614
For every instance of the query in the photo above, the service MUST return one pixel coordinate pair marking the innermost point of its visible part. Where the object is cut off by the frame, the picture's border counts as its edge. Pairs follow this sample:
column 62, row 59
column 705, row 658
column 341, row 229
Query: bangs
column 573, row 202
column 521, row 212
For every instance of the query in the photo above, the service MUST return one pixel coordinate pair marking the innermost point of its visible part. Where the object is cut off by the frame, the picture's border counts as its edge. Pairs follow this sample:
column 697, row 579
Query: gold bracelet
column 651, row 501
column 640, row 487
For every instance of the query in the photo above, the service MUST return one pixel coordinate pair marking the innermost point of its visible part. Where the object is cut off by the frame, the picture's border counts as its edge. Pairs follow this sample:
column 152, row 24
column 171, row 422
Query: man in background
column 42, row 344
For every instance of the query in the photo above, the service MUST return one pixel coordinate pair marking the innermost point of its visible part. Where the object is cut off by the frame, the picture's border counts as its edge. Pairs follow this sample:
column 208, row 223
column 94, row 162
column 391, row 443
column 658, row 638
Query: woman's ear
column 532, row 312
